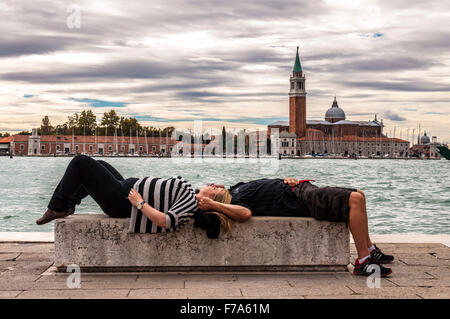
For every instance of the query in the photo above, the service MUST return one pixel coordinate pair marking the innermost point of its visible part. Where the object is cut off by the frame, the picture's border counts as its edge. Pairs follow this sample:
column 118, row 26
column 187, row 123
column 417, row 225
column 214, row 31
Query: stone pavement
column 420, row 271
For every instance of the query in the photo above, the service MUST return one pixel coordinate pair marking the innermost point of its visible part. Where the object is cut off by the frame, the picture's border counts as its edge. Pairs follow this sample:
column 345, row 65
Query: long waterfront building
column 35, row 144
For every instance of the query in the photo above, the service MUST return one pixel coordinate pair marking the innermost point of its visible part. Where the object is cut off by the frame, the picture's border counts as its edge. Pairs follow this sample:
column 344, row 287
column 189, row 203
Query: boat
column 444, row 151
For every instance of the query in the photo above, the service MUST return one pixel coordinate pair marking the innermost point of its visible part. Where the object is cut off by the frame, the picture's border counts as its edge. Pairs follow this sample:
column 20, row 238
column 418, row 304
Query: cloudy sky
column 169, row 62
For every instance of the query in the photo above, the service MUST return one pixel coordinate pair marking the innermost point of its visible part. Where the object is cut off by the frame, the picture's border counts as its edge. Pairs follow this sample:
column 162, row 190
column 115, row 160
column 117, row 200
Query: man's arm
column 235, row 212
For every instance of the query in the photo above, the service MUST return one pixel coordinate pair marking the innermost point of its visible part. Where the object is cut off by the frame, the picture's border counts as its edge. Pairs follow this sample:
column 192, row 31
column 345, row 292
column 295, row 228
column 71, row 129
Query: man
column 291, row 197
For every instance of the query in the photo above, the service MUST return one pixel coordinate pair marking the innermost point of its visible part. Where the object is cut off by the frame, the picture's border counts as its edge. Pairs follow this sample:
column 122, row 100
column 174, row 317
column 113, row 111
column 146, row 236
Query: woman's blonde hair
column 223, row 196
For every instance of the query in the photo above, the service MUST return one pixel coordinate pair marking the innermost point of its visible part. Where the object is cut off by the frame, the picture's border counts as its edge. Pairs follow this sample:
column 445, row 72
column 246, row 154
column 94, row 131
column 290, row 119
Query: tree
column 130, row 123
column 87, row 122
column 46, row 127
column 110, row 120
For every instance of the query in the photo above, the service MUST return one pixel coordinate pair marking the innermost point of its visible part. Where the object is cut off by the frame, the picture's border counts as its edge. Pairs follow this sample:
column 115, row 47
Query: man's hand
column 134, row 197
column 291, row 181
column 206, row 204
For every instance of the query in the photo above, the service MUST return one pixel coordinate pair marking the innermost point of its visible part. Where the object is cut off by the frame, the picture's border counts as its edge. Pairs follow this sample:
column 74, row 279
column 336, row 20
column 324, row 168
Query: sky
column 170, row 62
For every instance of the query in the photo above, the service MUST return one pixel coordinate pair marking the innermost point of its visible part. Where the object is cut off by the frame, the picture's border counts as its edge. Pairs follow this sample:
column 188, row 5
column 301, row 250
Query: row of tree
column 86, row 123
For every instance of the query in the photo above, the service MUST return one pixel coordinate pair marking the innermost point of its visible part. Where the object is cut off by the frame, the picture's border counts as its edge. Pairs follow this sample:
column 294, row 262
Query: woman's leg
column 82, row 193
column 98, row 181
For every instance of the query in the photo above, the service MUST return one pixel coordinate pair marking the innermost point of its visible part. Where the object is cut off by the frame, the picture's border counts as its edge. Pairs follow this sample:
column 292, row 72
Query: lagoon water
column 403, row 196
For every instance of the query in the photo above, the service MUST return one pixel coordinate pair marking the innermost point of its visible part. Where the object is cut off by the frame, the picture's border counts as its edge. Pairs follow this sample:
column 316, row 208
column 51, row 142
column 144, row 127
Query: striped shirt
column 173, row 196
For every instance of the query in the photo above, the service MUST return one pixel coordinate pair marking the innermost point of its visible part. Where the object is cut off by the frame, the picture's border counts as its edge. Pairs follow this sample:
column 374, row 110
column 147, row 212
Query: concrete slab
column 263, row 243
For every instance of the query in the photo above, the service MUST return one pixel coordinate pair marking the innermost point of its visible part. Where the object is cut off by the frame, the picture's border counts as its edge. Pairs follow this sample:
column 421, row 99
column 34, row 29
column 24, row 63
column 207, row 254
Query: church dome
column 425, row 139
column 334, row 113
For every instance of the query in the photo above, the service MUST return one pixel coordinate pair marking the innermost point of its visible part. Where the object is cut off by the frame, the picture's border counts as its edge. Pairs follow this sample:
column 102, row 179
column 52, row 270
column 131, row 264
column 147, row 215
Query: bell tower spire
column 297, row 99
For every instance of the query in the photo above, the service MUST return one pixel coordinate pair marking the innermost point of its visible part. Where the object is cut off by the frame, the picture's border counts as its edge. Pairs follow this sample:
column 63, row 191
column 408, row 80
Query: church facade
column 335, row 135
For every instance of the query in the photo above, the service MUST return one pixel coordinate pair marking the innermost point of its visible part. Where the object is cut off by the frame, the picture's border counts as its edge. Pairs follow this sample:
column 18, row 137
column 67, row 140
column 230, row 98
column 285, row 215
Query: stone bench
column 100, row 243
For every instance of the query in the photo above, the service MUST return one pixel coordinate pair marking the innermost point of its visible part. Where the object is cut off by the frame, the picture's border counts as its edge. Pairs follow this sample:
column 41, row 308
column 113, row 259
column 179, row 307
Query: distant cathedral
column 335, row 128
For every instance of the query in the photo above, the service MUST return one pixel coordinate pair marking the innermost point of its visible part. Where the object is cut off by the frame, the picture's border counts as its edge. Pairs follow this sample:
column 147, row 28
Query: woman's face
column 210, row 190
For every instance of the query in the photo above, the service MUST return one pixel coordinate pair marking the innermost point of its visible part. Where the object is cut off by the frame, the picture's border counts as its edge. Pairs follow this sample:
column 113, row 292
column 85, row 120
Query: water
column 403, row 196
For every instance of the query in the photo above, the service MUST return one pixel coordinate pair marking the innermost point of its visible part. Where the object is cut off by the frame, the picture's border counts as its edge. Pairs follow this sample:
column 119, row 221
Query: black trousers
column 324, row 203
column 86, row 176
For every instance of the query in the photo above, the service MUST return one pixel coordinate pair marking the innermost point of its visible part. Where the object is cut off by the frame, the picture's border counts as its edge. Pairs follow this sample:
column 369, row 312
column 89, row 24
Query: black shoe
column 368, row 267
column 378, row 257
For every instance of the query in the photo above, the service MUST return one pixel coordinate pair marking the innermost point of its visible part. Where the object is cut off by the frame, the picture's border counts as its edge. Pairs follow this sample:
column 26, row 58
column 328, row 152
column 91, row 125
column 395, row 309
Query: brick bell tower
column 297, row 100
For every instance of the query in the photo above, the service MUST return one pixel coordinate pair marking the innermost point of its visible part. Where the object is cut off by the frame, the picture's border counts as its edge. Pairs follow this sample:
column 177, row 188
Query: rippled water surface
column 403, row 196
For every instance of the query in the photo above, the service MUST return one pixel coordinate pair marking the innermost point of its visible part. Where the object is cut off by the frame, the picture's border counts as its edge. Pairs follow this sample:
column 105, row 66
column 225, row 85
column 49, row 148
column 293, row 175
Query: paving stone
column 350, row 281
column 409, row 282
column 145, row 282
column 390, row 292
column 290, row 276
column 418, row 245
column 411, row 272
column 295, row 291
column 90, row 277
column 108, row 282
column 17, row 282
column 440, row 272
column 75, row 294
column 436, row 293
column 35, row 257
column 185, row 293
column 27, row 248
column 413, row 296
column 424, row 261
column 241, row 283
column 26, row 267
column 9, row 293
column 193, row 277
column 8, row 256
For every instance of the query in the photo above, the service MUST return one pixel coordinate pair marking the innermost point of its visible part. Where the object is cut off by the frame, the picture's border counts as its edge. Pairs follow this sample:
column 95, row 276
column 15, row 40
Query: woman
column 153, row 204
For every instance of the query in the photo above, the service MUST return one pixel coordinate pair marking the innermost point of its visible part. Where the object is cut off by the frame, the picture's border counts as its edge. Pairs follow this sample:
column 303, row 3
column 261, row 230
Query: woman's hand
column 206, row 204
column 291, row 181
column 134, row 197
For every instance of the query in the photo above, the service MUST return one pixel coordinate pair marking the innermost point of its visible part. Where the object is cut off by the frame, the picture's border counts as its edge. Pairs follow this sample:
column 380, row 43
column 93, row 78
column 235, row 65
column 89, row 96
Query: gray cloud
column 408, row 86
column 33, row 45
column 394, row 116
column 121, row 69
